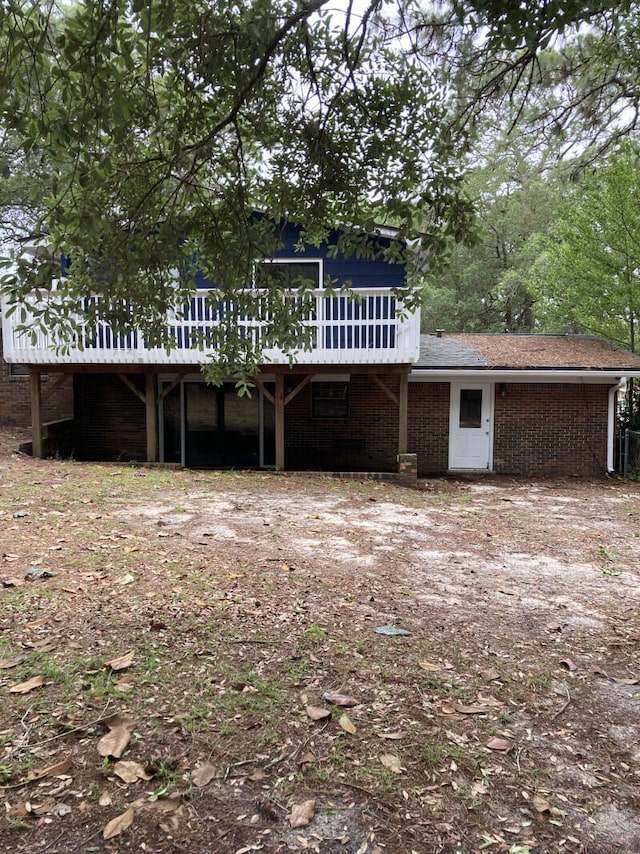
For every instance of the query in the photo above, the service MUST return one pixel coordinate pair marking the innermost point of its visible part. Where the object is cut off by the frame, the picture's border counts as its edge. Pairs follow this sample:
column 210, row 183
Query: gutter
column 549, row 375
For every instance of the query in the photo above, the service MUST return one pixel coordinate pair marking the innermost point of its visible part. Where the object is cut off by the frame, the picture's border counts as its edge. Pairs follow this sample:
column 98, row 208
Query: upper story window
column 289, row 274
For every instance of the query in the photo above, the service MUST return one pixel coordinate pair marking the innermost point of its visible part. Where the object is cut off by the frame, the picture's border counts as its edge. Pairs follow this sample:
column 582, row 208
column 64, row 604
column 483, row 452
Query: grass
column 218, row 678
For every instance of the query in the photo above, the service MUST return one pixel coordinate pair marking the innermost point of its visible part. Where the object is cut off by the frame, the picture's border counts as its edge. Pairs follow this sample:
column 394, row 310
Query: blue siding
column 357, row 272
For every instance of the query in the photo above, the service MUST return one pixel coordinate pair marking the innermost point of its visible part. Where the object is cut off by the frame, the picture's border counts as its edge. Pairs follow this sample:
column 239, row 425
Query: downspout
column 611, row 427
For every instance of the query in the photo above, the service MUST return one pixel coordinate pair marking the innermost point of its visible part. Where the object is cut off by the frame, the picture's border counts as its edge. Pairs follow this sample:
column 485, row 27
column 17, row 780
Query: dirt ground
column 169, row 640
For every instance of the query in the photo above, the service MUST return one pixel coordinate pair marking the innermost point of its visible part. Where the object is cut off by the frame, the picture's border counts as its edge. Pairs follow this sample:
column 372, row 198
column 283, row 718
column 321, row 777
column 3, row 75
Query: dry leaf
column 302, row 814
column 569, row 664
column 391, row 762
column 541, row 804
column 392, row 736
column 130, row 772
column 347, row 724
column 472, row 709
column 203, row 774
column 306, row 758
column 339, row 699
column 29, row 685
column 105, row 800
column 427, row 665
column 447, row 709
column 37, row 623
column 502, row 745
column 6, row 663
column 118, row 824
column 317, row 713
column 115, row 742
column 122, row 662
column 258, row 775
column 625, row 680
column 53, row 770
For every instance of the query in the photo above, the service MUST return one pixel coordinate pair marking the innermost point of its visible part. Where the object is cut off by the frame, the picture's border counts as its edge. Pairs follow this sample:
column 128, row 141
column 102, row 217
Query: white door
column 471, row 426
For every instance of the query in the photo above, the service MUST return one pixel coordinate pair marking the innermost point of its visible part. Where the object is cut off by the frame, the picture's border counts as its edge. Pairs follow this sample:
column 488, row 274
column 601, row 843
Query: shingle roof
column 524, row 352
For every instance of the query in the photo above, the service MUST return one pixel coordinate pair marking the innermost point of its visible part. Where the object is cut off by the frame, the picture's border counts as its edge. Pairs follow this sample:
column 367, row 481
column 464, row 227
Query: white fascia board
column 426, row 375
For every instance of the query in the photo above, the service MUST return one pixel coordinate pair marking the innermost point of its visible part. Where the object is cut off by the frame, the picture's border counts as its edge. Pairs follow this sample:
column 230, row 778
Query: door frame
column 183, row 421
column 488, row 397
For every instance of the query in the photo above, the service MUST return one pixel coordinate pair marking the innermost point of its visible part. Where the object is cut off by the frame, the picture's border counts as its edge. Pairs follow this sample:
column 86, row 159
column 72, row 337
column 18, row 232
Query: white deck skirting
column 367, row 326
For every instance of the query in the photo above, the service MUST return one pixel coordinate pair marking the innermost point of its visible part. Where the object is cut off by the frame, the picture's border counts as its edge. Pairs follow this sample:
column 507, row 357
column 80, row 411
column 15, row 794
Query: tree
column 166, row 124
column 483, row 287
column 161, row 125
column 586, row 274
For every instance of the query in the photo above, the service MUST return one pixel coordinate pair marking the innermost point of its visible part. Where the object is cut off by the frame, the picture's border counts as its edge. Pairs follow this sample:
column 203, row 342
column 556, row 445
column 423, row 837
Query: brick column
column 408, row 470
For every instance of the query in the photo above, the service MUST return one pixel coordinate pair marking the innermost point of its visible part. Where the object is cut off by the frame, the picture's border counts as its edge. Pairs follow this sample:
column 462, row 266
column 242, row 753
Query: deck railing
column 362, row 327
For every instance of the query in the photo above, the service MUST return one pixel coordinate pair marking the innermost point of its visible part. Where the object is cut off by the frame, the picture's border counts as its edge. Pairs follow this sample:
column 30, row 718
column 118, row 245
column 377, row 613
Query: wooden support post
column 403, row 413
column 36, row 413
column 151, row 393
column 279, row 425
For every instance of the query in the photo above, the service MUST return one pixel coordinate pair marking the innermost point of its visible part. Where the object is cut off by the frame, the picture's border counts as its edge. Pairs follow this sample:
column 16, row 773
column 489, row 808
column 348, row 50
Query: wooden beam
column 139, row 394
column 279, row 422
column 36, row 413
column 403, row 413
column 303, row 382
column 392, row 397
column 168, row 389
column 264, row 390
column 152, row 417
column 54, row 387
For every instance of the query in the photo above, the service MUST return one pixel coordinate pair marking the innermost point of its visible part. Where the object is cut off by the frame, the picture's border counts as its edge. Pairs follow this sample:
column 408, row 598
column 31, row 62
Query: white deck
column 367, row 327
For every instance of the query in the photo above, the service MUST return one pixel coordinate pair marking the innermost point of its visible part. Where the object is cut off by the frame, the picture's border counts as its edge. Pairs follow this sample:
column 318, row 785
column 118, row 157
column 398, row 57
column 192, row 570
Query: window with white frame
column 289, row 274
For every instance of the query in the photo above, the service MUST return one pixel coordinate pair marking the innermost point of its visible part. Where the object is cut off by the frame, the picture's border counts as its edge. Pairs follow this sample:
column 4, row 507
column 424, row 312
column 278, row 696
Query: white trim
column 488, row 399
column 611, row 428
column 426, row 375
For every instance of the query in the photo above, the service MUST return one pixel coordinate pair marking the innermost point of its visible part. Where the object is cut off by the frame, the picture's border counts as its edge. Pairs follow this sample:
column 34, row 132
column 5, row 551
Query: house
column 371, row 394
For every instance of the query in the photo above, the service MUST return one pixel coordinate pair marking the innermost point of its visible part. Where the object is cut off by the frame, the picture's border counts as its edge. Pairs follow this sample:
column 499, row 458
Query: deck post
column 152, row 417
column 279, row 425
column 36, row 413
column 403, row 412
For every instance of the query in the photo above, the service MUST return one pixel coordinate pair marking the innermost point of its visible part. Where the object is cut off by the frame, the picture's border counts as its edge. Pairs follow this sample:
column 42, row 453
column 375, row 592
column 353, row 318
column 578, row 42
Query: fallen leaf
column 541, row 804
column 122, row 662
column 203, row 774
column 53, row 770
column 569, row 664
column 317, row 713
column 472, row 708
column 392, row 736
column 118, row 824
column 427, row 665
column 114, row 742
column 6, row 663
column 127, row 579
column 29, row 685
column 306, row 758
column 44, row 808
column 130, row 772
column 347, row 724
column 502, row 745
column 625, row 680
column 37, row 623
column 391, row 762
column 339, row 699
column 392, row 631
column 105, row 800
column 302, row 814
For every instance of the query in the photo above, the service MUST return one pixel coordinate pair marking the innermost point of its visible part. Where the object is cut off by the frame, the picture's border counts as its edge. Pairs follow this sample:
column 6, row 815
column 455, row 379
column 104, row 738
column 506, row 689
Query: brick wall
column 110, row 420
column 365, row 441
column 15, row 398
column 428, row 426
column 551, row 429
